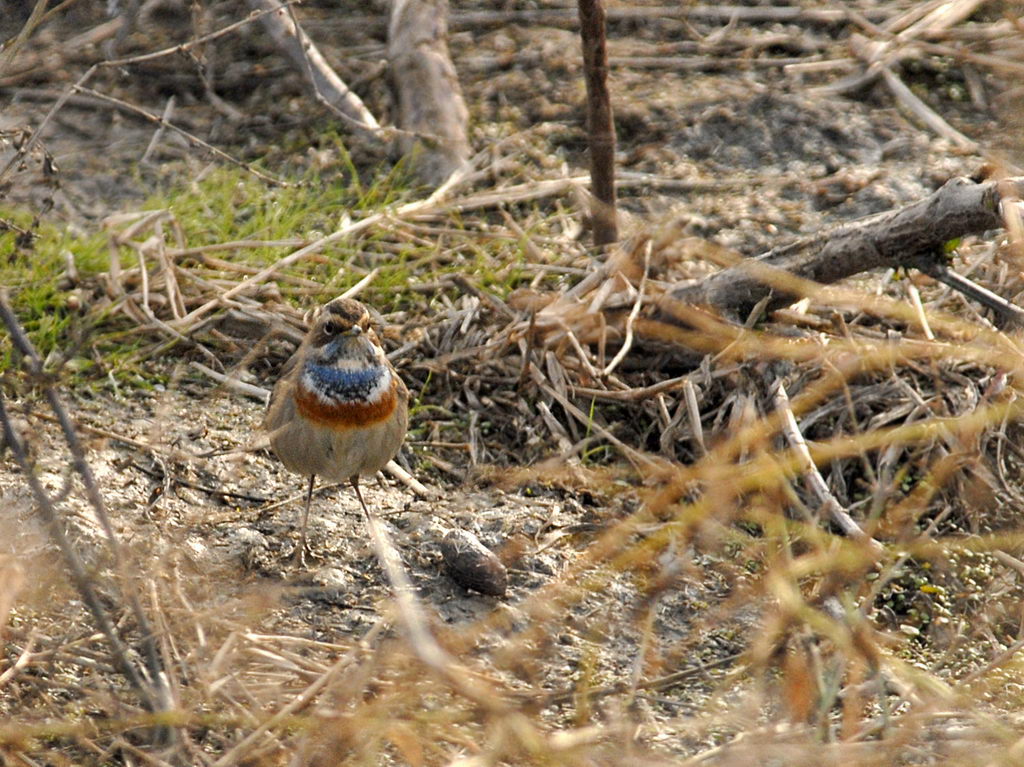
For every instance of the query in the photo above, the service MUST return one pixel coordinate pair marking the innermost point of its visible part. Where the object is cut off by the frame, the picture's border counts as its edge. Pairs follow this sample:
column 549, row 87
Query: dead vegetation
column 789, row 536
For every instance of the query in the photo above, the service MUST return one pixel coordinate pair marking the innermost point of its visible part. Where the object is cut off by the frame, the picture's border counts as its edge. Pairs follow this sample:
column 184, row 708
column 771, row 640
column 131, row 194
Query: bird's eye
column 331, row 328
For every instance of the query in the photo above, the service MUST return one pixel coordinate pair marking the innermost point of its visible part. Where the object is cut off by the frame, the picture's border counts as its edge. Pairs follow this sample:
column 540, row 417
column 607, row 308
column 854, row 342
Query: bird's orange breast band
column 345, row 415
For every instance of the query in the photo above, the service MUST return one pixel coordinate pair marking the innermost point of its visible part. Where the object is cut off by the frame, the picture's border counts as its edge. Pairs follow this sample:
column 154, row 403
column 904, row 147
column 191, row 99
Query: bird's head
column 342, row 329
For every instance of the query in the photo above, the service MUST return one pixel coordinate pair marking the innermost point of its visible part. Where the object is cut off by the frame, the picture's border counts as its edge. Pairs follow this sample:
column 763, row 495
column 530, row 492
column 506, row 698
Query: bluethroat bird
column 340, row 409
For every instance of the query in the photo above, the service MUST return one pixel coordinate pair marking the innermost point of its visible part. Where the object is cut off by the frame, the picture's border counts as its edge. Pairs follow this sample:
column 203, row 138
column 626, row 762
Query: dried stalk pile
column 594, row 365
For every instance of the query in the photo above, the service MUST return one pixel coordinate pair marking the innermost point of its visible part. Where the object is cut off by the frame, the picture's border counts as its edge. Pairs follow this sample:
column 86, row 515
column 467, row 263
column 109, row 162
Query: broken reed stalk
column 417, row 625
column 600, row 126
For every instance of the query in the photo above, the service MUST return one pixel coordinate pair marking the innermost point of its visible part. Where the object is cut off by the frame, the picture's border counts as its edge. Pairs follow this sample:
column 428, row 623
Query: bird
column 340, row 410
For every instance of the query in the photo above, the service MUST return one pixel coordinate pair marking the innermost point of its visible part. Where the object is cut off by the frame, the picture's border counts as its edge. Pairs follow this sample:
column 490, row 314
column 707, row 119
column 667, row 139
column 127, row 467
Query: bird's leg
column 300, row 552
column 355, row 486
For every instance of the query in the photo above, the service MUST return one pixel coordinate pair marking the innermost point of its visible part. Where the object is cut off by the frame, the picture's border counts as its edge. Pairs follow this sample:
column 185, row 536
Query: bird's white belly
column 335, row 454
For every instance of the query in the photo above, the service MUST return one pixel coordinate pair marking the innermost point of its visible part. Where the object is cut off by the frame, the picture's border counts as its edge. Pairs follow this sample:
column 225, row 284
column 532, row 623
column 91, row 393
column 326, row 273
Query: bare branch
column 151, row 681
column 600, row 126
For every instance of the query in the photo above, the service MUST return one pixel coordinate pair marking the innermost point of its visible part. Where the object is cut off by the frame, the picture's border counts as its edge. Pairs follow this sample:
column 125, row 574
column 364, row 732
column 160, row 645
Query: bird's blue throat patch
column 344, row 385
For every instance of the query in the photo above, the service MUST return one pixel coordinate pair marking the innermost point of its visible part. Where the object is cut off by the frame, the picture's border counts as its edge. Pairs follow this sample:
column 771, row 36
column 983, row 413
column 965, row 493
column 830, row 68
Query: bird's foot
column 299, row 556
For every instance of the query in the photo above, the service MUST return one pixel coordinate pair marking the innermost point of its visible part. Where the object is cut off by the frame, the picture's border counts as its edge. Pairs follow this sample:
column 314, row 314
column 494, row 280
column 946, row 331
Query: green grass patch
column 35, row 272
column 228, row 205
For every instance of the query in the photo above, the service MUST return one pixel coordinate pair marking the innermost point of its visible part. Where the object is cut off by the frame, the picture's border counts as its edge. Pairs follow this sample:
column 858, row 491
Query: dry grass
column 804, row 550
column 754, row 629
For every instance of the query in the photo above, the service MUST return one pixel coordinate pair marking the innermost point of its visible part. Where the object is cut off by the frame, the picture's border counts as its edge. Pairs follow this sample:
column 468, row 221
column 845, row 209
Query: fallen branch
column 912, row 237
column 430, row 105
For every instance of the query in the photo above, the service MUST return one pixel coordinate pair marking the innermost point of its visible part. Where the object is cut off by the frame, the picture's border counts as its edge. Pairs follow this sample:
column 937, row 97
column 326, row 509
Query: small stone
column 332, row 577
column 250, row 546
column 472, row 565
